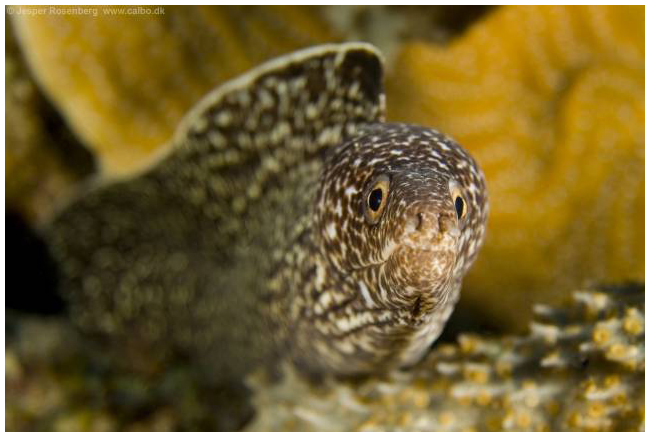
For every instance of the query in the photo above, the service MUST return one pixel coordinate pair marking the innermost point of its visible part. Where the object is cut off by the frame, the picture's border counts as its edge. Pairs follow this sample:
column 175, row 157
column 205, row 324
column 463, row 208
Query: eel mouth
column 424, row 252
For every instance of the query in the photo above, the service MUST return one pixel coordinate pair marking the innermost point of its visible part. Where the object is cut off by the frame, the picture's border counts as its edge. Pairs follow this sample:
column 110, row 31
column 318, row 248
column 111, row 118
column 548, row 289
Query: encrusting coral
column 123, row 81
column 551, row 102
column 580, row 368
column 57, row 380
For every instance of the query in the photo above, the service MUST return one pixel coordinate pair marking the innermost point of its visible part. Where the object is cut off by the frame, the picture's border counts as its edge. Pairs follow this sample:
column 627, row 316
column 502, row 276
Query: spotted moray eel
column 285, row 221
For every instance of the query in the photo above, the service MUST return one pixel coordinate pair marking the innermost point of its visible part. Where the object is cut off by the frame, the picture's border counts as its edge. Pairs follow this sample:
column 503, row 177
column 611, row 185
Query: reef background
column 550, row 100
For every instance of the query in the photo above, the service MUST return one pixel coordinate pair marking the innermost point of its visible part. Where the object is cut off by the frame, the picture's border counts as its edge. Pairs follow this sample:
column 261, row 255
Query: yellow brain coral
column 550, row 100
column 124, row 81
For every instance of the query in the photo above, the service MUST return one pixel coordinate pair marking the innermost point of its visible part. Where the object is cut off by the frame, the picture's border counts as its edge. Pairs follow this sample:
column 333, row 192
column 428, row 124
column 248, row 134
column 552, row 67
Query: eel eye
column 376, row 199
column 459, row 201
column 461, row 210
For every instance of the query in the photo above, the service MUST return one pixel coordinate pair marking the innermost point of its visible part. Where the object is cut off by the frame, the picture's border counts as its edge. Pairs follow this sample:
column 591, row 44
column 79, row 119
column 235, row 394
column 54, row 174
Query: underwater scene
column 324, row 218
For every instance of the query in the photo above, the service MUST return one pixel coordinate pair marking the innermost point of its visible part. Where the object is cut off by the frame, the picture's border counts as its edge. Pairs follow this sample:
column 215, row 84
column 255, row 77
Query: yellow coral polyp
column 633, row 323
column 503, row 368
column 575, row 420
column 468, row 343
column 596, row 409
column 612, row 381
column 523, row 420
column 531, row 400
column 484, row 397
column 446, row 418
column 617, row 351
column 601, row 335
column 476, row 374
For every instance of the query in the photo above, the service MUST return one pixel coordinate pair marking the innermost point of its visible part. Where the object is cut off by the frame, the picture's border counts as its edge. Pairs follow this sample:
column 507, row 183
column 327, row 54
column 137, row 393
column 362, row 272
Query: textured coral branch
column 581, row 367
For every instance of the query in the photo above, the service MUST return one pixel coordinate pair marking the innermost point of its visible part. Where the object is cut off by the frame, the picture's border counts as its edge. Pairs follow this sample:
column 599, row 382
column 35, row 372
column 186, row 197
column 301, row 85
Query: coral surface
column 41, row 156
column 57, row 380
column 550, row 100
column 124, row 80
column 580, row 368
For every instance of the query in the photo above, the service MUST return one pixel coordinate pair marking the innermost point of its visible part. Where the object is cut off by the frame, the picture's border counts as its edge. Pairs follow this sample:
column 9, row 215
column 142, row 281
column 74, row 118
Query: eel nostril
column 414, row 223
column 419, row 220
column 435, row 224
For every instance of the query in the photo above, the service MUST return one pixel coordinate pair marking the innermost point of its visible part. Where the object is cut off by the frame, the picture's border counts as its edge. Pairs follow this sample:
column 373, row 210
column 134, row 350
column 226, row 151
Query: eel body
column 285, row 220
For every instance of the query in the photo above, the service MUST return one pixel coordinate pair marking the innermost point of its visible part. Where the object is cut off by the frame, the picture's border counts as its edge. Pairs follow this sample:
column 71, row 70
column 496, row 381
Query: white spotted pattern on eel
column 286, row 220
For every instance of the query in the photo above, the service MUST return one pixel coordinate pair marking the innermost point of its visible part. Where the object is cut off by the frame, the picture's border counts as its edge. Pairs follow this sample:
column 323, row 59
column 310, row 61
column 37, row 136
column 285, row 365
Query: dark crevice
column 31, row 278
